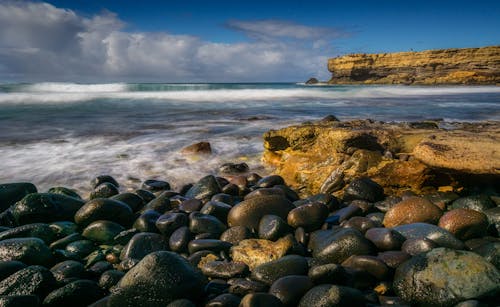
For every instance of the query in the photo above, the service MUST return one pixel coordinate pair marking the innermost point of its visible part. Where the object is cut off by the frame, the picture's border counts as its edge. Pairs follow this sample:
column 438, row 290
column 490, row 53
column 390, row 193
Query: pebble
column 154, row 185
column 171, row 221
column 236, row 234
column 332, row 295
column 464, row 223
column 412, row 210
column 260, row 299
column 385, row 238
column 26, row 250
column 104, row 190
column 224, row 269
column 363, row 189
column 10, row 193
column 254, row 252
column 271, row 271
column 290, row 289
column 308, row 216
column 143, row 244
column 272, row 227
column 479, row 203
column 102, row 231
column 104, row 209
column 205, row 188
column 437, row 234
column 146, row 222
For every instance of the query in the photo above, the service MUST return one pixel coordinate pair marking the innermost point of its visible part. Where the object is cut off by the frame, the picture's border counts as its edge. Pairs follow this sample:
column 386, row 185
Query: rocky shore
column 391, row 231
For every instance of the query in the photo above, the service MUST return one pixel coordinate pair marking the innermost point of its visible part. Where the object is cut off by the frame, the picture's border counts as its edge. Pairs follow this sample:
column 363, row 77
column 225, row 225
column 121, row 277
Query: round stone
column 479, row 203
column 290, row 289
column 412, row 210
column 385, row 238
column 308, row 216
column 102, row 231
column 288, row 265
column 464, row 223
column 142, row 244
column 236, row 234
column 26, row 250
column 79, row 293
column 272, row 227
column 104, row 209
column 332, row 295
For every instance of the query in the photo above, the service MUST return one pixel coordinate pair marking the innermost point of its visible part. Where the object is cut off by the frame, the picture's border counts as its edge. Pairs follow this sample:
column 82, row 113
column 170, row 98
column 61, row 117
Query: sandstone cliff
column 446, row 66
column 325, row 156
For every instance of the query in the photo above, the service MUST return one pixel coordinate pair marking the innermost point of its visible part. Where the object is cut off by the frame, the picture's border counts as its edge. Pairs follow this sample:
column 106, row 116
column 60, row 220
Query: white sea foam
column 61, row 87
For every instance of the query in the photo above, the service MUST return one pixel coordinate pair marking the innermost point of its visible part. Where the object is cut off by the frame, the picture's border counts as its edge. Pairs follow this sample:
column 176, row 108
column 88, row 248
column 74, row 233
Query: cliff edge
column 445, row 66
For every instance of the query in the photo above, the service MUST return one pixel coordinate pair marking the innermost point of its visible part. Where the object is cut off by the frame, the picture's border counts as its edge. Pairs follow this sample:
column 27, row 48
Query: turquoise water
column 65, row 133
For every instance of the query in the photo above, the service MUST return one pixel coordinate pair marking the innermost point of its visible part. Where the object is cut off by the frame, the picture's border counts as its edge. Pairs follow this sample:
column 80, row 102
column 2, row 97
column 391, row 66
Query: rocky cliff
column 446, row 66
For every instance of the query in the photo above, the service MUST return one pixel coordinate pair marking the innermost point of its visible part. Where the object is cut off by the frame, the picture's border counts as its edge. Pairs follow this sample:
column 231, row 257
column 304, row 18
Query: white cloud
column 41, row 42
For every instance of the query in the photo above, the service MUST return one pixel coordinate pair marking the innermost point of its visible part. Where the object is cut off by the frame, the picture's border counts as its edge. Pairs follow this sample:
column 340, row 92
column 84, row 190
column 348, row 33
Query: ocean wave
column 63, row 87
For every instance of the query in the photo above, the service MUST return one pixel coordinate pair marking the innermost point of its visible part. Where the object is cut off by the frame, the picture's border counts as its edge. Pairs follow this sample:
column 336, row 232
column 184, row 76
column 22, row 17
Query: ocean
column 64, row 134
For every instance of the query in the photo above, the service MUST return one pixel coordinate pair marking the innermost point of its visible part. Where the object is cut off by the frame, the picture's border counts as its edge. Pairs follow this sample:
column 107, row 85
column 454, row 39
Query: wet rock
column 36, row 230
column 159, row 204
column 62, row 243
column 290, row 289
column 386, row 204
column 265, row 192
column 464, row 223
column 203, row 148
column 99, row 267
column 442, row 199
column 254, row 252
column 26, row 250
column 77, row 293
column 159, row 279
column 205, row 223
column 218, row 209
column 490, row 252
column 154, row 185
column 142, row 244
column 234, row 168
column 146, row 195
column 479, row 203
column 224, row 198
column 191, row 205
column 10, row 193
column 79, row 249
column 224, row 269
column 169, row 222
column 8, row 268
column 102, row 231
column 181, row 303
column 178, row 241
column 329, row 273
column 445, row 277
column 68, row 269
column 33, row 280
column 134, row 201
column 104, row 209
column 315, row 81
column 104, row 190
column 243, row 286
column 63, row 228
column 385, row 238
column 249, row 212
column 260, row 299
column 272, row 227
column 437, row 234
column 110, row 278
column 338, row 245
column 309, row 216
column 393, row 258
column 19, row 300
column 226, row 300
column 236, row 234
column 343, row 214
column 331, row 295
column 97, row 181
column 205, row 188
column 45, row 207
column 361, row 223
column 370, row 264
column 230, row 189
column 64, row 191
column 208, row 244
column 288, row 265
column 418, row 245
column 123, row 237
column 269, row 181
column 146, row 222
column 412, row 210
column 363, row 189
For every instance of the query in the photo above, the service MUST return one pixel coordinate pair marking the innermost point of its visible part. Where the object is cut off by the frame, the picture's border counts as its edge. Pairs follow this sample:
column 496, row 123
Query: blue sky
column 174, row 41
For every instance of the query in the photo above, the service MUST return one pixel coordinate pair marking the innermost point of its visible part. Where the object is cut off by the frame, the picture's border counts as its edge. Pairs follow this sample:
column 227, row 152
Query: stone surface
column 254, row 252
column 26, row 250
column 290, row 289
column 33, row 280
column 412, row 210
column 443, row 66
column 10, row 193
column 464, row 223
column 332, row 295
column 271, row 271
column 202, row 148
column 434, row 233
column 445, row 277
column 79, row 293
column 104, row 209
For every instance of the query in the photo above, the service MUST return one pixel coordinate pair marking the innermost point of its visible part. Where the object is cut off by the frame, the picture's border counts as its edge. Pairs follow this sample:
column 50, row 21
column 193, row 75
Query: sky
column 91, row 41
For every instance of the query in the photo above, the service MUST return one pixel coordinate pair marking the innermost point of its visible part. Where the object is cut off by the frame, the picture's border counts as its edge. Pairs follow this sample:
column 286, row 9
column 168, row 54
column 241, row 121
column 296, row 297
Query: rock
column 254, row 252
column 226, row 300
column 205, row 223
column 249, row 212
column 260, row 299
column 102, row 231
column 418, row 245
column 479, row 203
column 309, row 216
column 159, row 204
column 142, row 244
column 26, row 250
column 331, row 295
column 223, row 269
column 181, row 303
column 68, row 269
column 361, row 223
column 243, row 286
column 178, row 241
column 393, row 258
column 208, row 244
column 79, row 249
column 272, row 227
column 370, row 264
column 412, row 210
column 110, row 278
column 234, row 168
column 290, row 289
column 434, row 233
column 236, row 234
column 10, row 193
column 200, row 148
column 104, row 190
column 490, row 252
column 265, row 192
column 64, row 191
column 77, row 293
column 205, row 188
column 154, row 185
column 330, row 273
column 159, row 279
column 343, row 214
column 146, row 222
column 8, row 268
column 493, row 215
column 19, row 300
column 338, row 245
column 146, row 195
column 312, row 81
column 62, row 243
column 33, row 280
column 104, row 209
column 271, row 271
column 216, row 208
column 97, row 181
column 445, row 277
column 169, row 222
column 191, row 205
column 36, row 230
column 269, row 181
column 384, row 238
column 45, row 207
column 363, row 189
column 134, row 201
column 464, row 223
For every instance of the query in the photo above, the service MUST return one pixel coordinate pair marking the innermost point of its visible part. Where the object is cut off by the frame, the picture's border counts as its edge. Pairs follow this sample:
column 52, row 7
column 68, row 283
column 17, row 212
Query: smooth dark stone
column 371, row 264
column 269, row 181
column 36, row 230
column 80, row 249
column 160, row 204
column 361, row 223
column 335, row 246
column 134, row 201
column 479, row 203
column 437, row 234
column 63, row 228
column 260, row 299
column 205, row 188
column 326, row 199
column 179, row 239
column 360, row 279
column 363, row 189
column 79, row 293
column 110, row 278
column 343, row 214
column 233, row 168
column 243, row 286
column 216, row 287
column 469, row 303
column 418, row 245
column 223, row 269
column 329, row 273
column 393, row 258
column 102, row 231
column 221, row 181
column 493, row 216
column 201, row 223
column 64, row 191
column 290, row 194
column 97, row 181
column 290, row 289
column 161, row 277
column 385, row 238
column 236, row 234
column 32, row 280
column 142, row 244
column 10, row 193
column 103, row 302
column 123, row 237
column 170, row 221
column 224, row 300
column 68, row 269
column 392, row 301
column 8, row 268
column 442, row 199
column 7, row 219
column 26, row 250
column 99, row 267
column 230, row 189
column 386, row 204
column 146, row 222
column 218, row 209
column 155, row 185
column 181, row 303
column 272, row 227
column 19, row 300
column 308, row 216
column 376, row 217
column 196, row 257
column 208, row 244
column 146, row 195
column 223, row 198
column 265, row 192
column 302, row 236
column 332, row 295
column 191, row 205
column 44, row 208
column 253, row 178
column 104, row 209
column 288, row 265
column 365, row 206
column 61, row 243
column 490, row 252
column 104, row 190
column 127, row 264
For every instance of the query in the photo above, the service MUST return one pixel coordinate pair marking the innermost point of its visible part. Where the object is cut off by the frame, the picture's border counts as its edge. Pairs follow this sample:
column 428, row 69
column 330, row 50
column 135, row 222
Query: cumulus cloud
column 41, row 42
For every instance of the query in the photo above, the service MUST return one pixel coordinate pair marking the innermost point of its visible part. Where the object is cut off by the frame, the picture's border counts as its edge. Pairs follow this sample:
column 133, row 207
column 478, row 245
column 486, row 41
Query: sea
column 64, row 134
